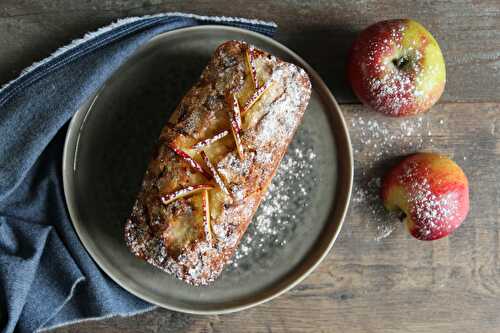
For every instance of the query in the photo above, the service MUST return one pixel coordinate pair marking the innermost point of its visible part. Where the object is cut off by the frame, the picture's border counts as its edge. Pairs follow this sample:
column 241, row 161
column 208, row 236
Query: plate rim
column 67, row 169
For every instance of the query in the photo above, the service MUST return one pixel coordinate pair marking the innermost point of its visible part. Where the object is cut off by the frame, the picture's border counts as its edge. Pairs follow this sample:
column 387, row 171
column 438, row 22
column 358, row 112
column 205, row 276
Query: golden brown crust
column 171, row 234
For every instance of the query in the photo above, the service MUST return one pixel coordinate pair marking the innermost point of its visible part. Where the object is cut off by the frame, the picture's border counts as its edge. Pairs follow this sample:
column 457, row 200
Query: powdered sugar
column 196, row 260
column 430, row 211
column 366, row 199
column 281, row 210
column 281, row 121
column 382, row 139
column 231, row 164
column 392, row 92
column 397, row 89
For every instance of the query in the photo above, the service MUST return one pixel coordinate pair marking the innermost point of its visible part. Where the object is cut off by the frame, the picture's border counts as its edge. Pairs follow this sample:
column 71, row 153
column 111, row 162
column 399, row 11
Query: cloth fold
column 47, row 279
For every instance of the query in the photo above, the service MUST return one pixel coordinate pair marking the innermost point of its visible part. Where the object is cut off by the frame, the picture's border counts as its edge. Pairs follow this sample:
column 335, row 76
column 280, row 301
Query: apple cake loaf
column 214, row 160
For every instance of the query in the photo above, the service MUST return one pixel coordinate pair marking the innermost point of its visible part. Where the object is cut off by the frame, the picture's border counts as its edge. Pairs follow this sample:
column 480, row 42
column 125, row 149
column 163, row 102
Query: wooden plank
column 392, row 284
column 395, row 284
column 320, row 31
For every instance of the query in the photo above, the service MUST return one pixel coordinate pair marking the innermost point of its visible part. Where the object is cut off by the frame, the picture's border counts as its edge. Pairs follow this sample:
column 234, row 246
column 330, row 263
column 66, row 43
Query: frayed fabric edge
column 120, row 22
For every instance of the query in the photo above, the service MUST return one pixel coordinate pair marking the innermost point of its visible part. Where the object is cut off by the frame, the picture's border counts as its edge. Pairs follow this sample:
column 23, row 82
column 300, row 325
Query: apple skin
column 431, row 190
column 396, row 67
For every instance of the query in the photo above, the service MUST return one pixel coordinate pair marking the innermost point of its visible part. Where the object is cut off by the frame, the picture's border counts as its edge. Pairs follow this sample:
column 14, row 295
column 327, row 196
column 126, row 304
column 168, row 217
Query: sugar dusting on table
column 378, row 140
column 282, row 207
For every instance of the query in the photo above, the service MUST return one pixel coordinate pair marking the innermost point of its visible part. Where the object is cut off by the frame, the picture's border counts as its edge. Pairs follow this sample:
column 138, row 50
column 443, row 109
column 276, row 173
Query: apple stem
column 400, row 62
column 401, row 216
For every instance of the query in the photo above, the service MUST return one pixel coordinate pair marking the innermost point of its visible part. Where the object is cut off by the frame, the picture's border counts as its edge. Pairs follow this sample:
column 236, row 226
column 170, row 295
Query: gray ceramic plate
column 108, row 146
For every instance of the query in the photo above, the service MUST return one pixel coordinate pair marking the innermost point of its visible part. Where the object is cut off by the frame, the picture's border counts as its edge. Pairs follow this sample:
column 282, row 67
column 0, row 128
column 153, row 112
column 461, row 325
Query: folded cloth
column 47, row 279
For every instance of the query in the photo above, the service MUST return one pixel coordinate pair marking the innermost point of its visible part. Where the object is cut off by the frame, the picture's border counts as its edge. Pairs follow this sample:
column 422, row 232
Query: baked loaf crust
column 214, row 161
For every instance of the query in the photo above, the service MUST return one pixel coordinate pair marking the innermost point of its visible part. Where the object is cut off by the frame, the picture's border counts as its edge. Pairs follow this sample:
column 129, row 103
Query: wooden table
column 369, row 283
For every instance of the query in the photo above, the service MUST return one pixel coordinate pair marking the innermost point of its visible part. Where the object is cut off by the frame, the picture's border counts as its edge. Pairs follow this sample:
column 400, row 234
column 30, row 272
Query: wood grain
column 319, row 31
column 395, row 284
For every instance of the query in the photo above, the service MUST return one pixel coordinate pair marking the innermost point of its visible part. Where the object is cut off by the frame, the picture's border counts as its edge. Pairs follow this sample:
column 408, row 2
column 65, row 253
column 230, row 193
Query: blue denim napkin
column 47, row 279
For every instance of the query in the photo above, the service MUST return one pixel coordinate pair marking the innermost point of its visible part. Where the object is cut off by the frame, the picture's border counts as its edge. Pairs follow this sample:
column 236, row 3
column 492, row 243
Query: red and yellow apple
column 396, row 67
column 431, row 190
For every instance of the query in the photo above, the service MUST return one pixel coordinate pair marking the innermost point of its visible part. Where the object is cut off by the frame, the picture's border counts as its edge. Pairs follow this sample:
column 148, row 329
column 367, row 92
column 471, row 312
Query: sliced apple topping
column 206, row 215
column 235, row 120
column 195, row 165
column 250, row 57
column 256, row 96
column 234, row 112
column 215, row 174
column 207, row 142
column 184, row 192
column 237, row 140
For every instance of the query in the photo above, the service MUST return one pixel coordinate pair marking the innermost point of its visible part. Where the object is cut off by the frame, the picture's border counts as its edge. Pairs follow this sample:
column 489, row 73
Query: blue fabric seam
column 77, row 282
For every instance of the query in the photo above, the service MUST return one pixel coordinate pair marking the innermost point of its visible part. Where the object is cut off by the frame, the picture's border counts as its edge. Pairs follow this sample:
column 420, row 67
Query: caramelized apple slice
column 235, row 119
column 215, row 174
column 237, row 140
column 204, row 143
column 234, row 112
column 250, row 57
column 255, row 97
column 206, row 215
column 195, row 165
column 184, row 192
